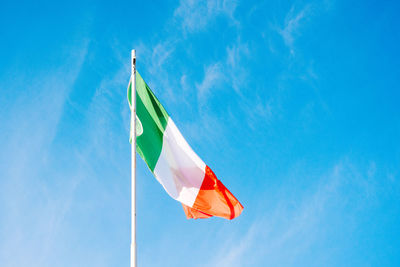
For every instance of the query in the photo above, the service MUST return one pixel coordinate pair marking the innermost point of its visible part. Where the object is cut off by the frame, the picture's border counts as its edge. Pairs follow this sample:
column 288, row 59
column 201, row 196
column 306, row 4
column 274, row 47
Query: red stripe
column 213, row 199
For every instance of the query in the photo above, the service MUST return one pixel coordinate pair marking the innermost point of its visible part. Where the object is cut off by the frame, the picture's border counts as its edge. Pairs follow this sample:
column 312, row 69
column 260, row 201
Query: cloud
column 258, row 110
column 101, row 117
column 212, row 77
column 231, row 73
column 158, row 58
column 196, row 15
column 156, row 55
column 292, row 25
column 294, row 21
column 234, row 255
column 229, row 70
column 301, row 219
column 63, row 186
column 38, row 206
column 237, row 54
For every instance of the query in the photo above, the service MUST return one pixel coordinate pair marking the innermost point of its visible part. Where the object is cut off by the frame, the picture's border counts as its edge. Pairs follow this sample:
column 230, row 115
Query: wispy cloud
column 38, row 207
column 258, row 110
column 296, row 18
column 213, row 75
column 291, row 26
column 196, row 15
column 54, row 184
column 230, row 70
column 156, row 55
column 192, row 16
column 300, row 220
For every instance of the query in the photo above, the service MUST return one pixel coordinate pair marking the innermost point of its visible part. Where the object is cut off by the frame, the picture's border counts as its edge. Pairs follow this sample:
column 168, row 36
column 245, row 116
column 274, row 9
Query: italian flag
column 184, row 176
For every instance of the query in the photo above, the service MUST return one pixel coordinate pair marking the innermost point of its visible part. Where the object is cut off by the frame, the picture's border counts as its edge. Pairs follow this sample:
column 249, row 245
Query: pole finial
column 133, row 57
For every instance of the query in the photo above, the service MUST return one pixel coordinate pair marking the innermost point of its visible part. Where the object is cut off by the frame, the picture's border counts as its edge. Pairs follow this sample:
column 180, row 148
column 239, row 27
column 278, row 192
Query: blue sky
column 294, row 105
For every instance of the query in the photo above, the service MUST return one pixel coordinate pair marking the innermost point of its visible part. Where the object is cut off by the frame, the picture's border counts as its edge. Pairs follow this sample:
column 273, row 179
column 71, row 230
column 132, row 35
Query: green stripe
column 154, row 120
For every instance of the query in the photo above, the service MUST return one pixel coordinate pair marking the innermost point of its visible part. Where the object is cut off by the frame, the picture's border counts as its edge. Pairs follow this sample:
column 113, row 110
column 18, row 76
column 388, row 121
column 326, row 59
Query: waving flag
column 184, row 176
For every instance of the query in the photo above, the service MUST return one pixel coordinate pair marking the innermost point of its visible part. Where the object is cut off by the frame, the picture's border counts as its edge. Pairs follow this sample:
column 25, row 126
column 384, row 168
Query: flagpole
column 133, row 159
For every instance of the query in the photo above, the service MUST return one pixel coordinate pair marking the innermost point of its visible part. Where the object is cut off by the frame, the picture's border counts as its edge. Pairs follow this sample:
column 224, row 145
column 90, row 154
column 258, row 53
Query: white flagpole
column 133, row 159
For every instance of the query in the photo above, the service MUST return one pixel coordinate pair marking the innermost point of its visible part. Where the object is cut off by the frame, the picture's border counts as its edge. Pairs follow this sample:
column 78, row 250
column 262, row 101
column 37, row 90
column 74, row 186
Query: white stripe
column 179, row 169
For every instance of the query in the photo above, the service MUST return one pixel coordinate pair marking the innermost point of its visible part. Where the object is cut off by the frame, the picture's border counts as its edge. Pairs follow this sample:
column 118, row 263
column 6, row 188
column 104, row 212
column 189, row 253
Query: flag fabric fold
column 184, row 176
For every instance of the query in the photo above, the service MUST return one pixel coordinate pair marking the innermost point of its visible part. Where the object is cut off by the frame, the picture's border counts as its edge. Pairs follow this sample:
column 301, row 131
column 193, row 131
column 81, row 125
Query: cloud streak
column 197, row 15
column 292, row 24
column 38, row 207
column 300, row 221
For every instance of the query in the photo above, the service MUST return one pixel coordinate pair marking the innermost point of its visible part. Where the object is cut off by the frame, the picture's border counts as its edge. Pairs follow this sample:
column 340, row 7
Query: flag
column 184, row 176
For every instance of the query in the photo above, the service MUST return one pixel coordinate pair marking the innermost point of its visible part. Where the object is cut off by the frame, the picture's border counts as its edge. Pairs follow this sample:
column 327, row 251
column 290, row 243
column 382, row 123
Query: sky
column 293, row 104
